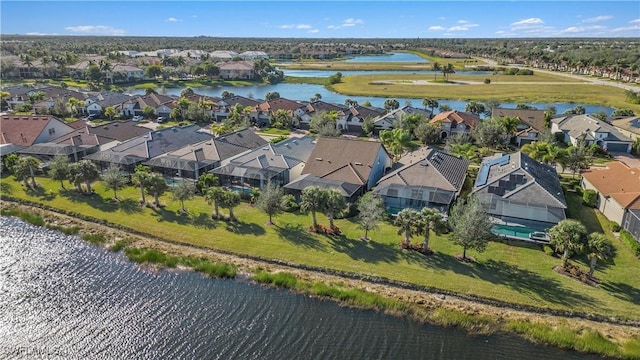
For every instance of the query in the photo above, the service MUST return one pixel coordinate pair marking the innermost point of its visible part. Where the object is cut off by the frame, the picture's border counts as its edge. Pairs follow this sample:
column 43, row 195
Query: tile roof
column 519, row 178
column 244, row 101
column 631, row 124
column 110, row 98
column 579, row 125
column 23, row 130
column 119, row 130
column 279, row 104
column 456, row 118
column 343, row 159
column 81, row 136
column 532, row 118
column 618, row 181
column 431, row 168
column 304, row 181
column 399, row 112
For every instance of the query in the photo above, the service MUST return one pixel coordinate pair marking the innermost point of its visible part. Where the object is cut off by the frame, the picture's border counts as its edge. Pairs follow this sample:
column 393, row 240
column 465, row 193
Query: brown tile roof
column 78, row 124
column 23, row 130
column 343, row 159
column 618, row 181
column 631, row 124
column 120, row 130
column 456, row 118
column 279, row 104
column 533, row 118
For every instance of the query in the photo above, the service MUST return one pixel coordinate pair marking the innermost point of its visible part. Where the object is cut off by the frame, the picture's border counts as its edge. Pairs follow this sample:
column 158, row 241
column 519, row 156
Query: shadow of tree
column 367, row 251
column 41, row 193
column 170, row 216
column 129, row 206
column 298, row 235
column 244, row 228
column 6, row 188
column 203, row 220
column 622, row 291
column 502, row 273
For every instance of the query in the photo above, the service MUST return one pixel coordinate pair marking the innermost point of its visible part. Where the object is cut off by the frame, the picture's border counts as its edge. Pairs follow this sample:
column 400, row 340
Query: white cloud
column 313, row 31
column 457, row 28
column 436, row 28
column 95, row 30
column 462, row 25
column 527, row 23
column 598, row 19
column 172, row 19
column 636, row 21
column 346, row 23
column 582, row 29
column 634, row 27
column 295, row 26
column 303, row 26
column 286, row 26
column 35, row 33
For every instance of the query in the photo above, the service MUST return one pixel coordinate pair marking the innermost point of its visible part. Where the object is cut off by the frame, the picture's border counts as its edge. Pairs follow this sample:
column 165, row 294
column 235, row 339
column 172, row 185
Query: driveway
column 628, row 159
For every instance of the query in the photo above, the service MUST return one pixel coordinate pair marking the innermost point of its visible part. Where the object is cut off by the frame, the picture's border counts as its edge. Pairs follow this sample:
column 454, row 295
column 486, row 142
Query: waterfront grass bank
column 619, row 341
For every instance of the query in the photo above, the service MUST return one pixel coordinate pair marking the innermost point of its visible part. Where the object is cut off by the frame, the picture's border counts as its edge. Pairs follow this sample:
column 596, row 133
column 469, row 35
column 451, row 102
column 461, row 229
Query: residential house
column 26, row 130
column 455, row 122
column 306, row 112
column 18, row 95
column 161, row 104
column 628, row 126
column 386, row 121
column 351, row 166
column 426, row 177
column 517, row 190
column 270, row 107
column 96, row 104
column 253, row 55
column 53, row 94
column 128, row 154
column 531, row 123
column 212, row 103
column 277, row 163
column 618, row 193
column 589, row 130
column 237, row 70
column 193, row 160
column 222, row 55
column 225, row 105
column 356, row 115
column 124, row 73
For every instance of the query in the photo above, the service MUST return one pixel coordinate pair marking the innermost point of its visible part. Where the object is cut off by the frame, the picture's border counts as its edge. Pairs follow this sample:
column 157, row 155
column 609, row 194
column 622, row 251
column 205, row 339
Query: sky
column 324, row 19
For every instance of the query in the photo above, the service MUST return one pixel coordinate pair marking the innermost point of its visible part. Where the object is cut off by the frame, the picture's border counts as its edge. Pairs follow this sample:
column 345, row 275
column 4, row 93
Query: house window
column 52, row 131
column 417, row 194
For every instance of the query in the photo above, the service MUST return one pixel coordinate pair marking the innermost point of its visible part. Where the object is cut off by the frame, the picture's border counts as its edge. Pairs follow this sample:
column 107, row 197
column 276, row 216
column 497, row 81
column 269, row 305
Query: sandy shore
column 425, row 300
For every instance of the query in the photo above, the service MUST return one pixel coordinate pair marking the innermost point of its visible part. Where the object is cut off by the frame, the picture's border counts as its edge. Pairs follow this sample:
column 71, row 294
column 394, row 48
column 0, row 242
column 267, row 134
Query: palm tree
column 313, row 200
column 428, row 219
column 110, row 112
column 139, row 178
column 25, row 169
column 156, row 185
column 59, row 169
column 87, row 173
column 396, row 141
column 214, row 195
column 113, row 179
column 436, row 68
column 74, row 105
column 334, row 203
column 406, row 219
column 598, row 247
column 448, row 69
column 430, row 103
column 184, row 191
column 105, row 66
column 231, row 199
column 567, row 236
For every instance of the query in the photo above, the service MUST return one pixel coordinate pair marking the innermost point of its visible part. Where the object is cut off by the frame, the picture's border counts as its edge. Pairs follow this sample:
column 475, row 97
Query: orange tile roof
column 618, row 181
column 456, row 117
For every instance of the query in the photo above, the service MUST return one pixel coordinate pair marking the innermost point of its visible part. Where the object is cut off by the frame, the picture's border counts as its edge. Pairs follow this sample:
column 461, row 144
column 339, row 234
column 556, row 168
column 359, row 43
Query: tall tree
column 579, row 157
column 568, row 236
column 25, row 169
column 396, row 141
column 431, row 104
column 406, row 219
column 598, row 248
column 391, row 104
column 448, row 69
column 470, row 225
column 370, row 212
column 474, row 108
column 185, row 190
column 230, row 200
column 139, row 178
column 428, row 220
column 114, row 179
column 205, row 181
column 84, row 172
column 334, row 204
column 427, row 133
column 313, row 200
column 490, row 133
column 270, row 200
column 156, row 185
column 110, row 112
column 436, row 67
column 59, row 169
column 214, row 196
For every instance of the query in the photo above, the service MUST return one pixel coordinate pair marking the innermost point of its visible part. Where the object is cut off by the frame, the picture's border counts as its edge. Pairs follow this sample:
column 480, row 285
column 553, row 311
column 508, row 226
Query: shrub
column 487, row 81
column 630, row 241
column 615, row 227
column 589, row 197
column 94, row 238
column 548, row 250
column 289, row 203
column 282, row 279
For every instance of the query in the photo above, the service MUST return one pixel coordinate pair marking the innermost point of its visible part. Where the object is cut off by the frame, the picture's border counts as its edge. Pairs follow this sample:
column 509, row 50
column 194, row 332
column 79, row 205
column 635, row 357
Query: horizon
column 325, row 20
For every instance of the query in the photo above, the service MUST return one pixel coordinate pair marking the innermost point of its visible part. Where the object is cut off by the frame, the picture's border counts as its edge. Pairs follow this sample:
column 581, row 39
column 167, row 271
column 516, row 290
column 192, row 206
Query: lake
column 394, row 57
column 64, row 298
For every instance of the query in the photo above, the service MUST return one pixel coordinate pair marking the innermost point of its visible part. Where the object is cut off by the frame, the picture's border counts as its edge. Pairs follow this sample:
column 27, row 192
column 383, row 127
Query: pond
column 394, row 57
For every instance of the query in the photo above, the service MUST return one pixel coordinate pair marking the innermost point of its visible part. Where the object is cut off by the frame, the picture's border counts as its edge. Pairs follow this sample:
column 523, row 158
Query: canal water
column 64, row 298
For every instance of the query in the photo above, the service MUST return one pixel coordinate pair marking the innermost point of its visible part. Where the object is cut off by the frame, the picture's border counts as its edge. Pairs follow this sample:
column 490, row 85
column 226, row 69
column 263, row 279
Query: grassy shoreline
column 543, row 332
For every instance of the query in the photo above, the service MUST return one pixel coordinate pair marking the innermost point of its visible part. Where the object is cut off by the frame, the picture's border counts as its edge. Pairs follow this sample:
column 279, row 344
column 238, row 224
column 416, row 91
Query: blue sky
column 325, row 19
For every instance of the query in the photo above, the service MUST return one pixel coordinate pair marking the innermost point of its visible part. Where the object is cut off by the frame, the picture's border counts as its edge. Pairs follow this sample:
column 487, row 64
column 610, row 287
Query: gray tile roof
column 399, row 112
column 307, row 180
column 519, row 178
column 578, row 125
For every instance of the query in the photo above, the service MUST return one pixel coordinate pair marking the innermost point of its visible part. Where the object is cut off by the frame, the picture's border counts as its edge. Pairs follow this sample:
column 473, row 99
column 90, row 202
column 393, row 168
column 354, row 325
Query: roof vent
column 319, row 159
column 358, row 163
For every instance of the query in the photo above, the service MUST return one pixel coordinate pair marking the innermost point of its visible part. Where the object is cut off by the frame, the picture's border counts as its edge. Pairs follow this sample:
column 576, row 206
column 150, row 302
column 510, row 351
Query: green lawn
column 519, row 274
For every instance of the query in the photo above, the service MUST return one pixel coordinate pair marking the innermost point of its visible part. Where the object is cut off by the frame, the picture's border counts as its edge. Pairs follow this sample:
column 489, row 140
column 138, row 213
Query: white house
column 592, row 131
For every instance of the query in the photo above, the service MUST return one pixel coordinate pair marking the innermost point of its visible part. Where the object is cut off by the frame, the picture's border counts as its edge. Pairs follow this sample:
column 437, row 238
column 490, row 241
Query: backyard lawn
column 516, row 273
